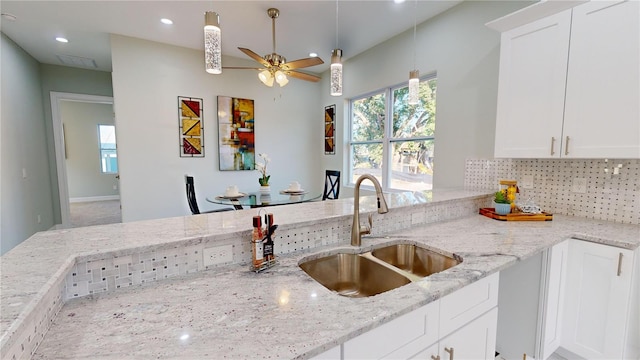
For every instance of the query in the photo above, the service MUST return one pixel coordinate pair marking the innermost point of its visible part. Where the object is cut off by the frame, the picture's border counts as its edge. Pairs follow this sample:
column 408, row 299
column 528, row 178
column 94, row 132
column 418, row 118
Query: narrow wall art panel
column 236, row 136
column 330, row 130
column 190, row 114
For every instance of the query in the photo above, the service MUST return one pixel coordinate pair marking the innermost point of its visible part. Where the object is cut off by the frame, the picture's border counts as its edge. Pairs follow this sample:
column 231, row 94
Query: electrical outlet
column 579, row 185
column 527, row 182
column 115, row 187
column 217, row 255
column 39, row 218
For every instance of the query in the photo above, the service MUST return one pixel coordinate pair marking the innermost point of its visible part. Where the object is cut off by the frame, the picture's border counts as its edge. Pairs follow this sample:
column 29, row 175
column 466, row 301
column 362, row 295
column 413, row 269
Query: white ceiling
column 303, row 26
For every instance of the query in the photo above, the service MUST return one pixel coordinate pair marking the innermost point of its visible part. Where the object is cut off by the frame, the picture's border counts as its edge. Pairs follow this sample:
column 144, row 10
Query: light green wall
column 84, row 174
column 148, row 77
column 23, row 149
column 465, row 55
column 69, row 80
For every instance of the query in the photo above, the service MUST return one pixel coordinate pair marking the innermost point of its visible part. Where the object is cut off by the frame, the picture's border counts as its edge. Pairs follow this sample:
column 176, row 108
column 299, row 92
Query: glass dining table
column 257, row 199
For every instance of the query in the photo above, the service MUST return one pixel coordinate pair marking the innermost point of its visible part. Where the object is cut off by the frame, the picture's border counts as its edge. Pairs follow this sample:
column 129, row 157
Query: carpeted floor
column 95, row 213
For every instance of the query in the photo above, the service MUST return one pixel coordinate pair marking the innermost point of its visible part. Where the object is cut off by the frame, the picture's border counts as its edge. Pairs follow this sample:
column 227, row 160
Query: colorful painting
column 330, row 130
column 236, row 133
column 191, row 128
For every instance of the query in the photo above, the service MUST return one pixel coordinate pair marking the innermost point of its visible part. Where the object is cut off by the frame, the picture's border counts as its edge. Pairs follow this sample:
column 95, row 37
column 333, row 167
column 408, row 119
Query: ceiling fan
column 275, row 66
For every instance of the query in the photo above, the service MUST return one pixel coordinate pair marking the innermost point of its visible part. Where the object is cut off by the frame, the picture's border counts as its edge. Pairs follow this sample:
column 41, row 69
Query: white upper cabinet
column 603, row 99
column 533, row 68
column 569, row 85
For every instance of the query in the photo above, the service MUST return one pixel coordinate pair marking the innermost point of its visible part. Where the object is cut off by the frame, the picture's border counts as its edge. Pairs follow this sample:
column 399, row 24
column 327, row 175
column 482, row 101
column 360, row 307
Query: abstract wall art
column 190, row 114
column 330, row 130
column 236, row 135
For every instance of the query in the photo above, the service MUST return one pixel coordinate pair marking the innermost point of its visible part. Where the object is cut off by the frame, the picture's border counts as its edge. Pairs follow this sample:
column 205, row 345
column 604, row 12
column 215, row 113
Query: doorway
column 86, row 159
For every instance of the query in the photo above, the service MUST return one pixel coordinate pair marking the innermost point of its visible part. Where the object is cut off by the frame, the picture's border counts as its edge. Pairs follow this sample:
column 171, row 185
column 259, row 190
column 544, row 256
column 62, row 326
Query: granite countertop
column 282, row 313
column 41, row 262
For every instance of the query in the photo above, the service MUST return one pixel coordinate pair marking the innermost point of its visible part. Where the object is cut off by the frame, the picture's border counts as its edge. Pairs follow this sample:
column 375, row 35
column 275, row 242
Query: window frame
column 387, row 140
column 101, row 149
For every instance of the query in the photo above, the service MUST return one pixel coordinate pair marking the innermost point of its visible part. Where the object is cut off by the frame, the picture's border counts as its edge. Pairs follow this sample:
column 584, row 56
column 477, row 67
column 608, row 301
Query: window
column 392, row 140
column 108, row 155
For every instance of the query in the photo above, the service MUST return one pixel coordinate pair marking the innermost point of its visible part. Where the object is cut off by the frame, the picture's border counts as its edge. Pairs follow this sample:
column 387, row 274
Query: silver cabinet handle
column 450, row 351
column 566, row 146
column 553, row 144
column 619, row 264
column 435, row 357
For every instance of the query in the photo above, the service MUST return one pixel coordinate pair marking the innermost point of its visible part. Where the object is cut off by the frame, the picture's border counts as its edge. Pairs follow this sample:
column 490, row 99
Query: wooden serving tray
column 491, row 213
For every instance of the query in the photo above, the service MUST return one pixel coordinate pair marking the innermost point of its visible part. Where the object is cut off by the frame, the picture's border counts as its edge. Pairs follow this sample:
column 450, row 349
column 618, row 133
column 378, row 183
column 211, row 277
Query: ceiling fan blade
column 301, row 63
column 302, row 76
column 255, row 57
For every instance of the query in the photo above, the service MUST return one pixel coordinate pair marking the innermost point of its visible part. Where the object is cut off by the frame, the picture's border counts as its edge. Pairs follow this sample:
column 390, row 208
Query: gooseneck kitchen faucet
column 356, row 229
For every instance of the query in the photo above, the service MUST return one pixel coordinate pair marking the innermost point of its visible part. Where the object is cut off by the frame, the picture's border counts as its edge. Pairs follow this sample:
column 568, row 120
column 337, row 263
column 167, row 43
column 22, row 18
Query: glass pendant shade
column 266, row 78
column 336, row 72
column 281, row 78
column 212, row 43
column 414, row 86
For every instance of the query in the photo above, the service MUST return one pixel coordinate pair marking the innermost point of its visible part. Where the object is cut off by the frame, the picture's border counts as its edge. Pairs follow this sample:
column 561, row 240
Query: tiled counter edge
column 86, row 274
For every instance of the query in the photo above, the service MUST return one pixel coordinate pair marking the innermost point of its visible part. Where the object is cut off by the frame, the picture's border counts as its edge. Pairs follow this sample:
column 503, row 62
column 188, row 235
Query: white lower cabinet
column 597, row 300
column 476, row 340
column 588, row 307
column 464, row 322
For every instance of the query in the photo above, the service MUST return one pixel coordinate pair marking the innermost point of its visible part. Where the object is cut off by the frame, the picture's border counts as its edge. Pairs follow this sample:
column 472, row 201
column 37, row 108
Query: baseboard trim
column 94, row 198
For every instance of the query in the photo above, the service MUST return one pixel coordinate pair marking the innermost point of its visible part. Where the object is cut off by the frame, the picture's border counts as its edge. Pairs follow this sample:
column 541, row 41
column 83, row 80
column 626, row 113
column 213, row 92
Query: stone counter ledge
column 47, row 269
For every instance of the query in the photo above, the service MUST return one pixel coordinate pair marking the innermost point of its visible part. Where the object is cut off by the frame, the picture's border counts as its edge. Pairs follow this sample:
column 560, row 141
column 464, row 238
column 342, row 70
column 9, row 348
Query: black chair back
column 191, row 195
column 331, row 185
column 193, row 203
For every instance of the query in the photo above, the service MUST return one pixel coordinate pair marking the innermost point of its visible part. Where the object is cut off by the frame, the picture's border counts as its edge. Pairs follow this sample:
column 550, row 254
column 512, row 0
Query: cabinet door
column 474, row 341
column 533, row 66
column 554, row 298
column 596, row 300
column 602, row 107
column 400, row 338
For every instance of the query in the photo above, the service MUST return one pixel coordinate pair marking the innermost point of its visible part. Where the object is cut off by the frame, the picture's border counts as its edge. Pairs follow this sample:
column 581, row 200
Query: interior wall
column 148, row 77
column 26, row 205
column 465, row 55
column 69, row 80
column 84, row 174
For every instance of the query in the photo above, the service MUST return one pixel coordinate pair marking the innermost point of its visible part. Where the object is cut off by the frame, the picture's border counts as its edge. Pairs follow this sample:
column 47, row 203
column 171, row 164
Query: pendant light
column 212, row 43
column 336, row 64
column 414, row 75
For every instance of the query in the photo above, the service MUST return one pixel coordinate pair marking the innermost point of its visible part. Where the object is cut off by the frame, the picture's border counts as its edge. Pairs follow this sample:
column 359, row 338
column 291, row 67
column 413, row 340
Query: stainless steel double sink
column 377, row 271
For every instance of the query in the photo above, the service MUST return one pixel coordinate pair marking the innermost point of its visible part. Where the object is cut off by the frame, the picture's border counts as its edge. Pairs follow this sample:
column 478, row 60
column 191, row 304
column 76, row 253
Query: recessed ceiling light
column 398, row 1
column 62, row 40
column 166, row 21
column 9, row 17
column 312, row 54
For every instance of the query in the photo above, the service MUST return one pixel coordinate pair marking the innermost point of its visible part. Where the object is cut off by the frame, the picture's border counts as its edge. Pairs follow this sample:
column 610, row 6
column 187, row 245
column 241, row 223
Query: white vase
column 265, row 189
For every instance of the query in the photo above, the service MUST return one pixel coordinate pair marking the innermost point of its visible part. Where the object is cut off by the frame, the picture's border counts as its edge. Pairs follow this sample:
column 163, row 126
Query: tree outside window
column 393, row 140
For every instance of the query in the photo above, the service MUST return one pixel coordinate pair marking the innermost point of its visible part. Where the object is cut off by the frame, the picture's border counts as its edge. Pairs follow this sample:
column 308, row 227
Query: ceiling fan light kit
column 275, row 66
column 336, row 72
column 212, row 43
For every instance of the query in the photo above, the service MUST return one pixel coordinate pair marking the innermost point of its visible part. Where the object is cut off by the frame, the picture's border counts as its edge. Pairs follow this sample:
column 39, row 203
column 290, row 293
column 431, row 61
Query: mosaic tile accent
column 612, row 193
column 31, row 332
column 102, row 275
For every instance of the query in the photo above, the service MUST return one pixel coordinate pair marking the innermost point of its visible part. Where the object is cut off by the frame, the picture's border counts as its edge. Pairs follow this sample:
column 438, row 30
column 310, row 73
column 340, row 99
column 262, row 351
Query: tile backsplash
column 612, row 190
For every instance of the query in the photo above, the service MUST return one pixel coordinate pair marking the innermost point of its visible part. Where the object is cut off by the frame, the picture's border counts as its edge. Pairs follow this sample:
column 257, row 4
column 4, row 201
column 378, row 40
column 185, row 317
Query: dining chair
column 191, row 198
column 331, row 185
